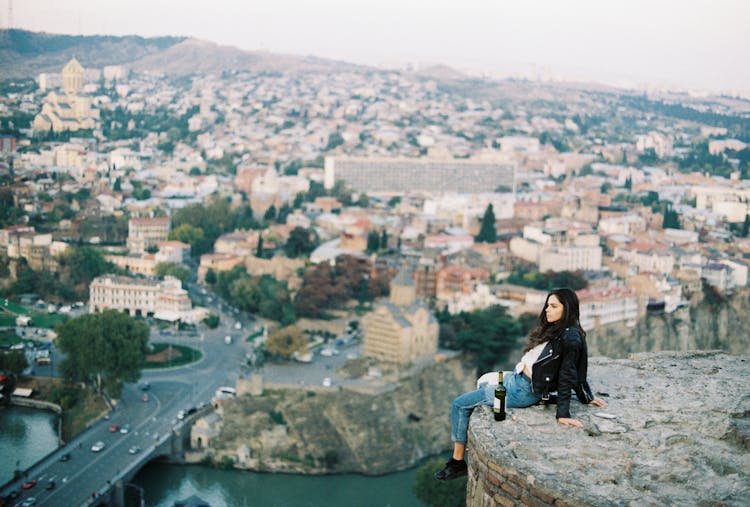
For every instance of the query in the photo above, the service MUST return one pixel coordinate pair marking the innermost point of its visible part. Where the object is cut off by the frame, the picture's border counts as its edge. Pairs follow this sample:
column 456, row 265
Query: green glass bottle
column 499, row 405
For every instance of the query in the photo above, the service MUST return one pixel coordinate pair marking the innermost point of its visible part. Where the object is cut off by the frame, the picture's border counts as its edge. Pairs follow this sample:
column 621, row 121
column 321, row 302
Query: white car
column 97, row 446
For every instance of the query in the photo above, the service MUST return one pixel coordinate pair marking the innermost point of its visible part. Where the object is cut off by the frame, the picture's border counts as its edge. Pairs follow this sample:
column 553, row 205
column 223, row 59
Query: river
column 28, row 435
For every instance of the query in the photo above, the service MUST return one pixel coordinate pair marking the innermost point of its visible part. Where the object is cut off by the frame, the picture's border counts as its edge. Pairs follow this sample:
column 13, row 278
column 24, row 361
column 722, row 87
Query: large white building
column 378, row 174
column 646, row 257
column 165, row 300
column 600, row 307
column 144, row 233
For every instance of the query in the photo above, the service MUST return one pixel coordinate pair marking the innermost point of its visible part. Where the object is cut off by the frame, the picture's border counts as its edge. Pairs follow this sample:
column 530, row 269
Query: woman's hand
column 598, row 402
column 571, row 422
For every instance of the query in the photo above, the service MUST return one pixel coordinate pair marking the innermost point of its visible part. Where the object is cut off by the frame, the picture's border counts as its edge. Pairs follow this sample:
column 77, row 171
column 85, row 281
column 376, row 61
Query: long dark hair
column 546, row 331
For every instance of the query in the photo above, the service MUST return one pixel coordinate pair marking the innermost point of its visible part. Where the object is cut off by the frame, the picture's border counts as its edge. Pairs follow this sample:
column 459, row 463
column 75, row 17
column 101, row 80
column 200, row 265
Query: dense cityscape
column 384, row 214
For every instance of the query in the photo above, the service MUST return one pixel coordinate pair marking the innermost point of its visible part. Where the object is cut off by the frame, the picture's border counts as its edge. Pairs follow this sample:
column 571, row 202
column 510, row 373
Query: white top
column 529, row 358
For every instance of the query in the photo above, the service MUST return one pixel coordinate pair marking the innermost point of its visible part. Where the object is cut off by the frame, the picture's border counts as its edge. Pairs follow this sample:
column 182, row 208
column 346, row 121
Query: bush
column 435, row 493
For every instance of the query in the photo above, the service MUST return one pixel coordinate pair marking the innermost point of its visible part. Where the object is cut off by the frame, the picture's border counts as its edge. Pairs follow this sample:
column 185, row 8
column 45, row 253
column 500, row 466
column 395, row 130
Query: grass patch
column 13, row 307
column 167, row 355
column 7, row 320
column 48, row 320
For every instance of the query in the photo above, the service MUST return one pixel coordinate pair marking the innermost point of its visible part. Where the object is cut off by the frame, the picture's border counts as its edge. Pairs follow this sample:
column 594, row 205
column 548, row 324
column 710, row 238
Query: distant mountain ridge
column 24, row 54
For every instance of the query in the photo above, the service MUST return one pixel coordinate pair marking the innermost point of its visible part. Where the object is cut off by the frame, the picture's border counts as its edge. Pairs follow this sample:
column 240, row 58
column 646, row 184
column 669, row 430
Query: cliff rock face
column 705, row 325
column 346, row 430
column 676, row 431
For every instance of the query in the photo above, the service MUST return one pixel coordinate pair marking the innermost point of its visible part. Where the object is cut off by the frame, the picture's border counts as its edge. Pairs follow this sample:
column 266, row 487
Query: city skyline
column 690, row 45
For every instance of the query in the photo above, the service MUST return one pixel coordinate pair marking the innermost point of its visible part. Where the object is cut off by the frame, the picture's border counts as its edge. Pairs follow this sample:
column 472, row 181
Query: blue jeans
column 518, row 395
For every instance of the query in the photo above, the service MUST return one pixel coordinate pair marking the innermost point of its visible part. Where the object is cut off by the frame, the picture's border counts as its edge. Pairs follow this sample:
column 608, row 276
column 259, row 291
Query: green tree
column 373, row 241
column 487, row 233
column 13, row 362
column 438, row 493
column 80, row 265
column 174, row 269
column 270, row 213
column 746, row 226
column 301, row 242
column 103, row 349
column 671, row 218
column 189, row 234
column 259, row 247
column 212, row 321
column 210, row 276
column 486, row 335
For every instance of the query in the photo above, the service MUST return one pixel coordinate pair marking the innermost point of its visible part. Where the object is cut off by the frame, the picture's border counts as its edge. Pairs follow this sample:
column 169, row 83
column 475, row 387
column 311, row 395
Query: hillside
column 24, row 54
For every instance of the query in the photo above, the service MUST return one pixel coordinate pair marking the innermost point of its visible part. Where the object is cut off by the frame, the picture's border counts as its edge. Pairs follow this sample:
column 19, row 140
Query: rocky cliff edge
column 679, row 435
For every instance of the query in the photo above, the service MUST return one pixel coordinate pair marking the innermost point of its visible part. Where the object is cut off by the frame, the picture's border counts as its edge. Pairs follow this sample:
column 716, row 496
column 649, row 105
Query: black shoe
column 453, row 470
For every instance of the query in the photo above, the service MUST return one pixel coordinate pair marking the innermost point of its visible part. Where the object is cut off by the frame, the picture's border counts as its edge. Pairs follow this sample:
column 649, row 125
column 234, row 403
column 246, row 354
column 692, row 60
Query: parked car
column 114, row 428
column 29, row 484
column 134, row 450
column 97, row 446
column 145, row 386
column 144, row 398
column 50, row 485
column 65, row 457
column 29, row 502
column 125, row 429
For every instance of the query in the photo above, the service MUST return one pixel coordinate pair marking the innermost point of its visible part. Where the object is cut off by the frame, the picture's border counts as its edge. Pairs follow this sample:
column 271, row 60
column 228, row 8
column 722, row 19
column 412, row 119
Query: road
column 78, row 479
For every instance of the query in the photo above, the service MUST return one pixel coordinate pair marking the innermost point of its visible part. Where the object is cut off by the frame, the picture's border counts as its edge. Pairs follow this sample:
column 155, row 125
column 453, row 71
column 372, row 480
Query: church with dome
column 69, row 109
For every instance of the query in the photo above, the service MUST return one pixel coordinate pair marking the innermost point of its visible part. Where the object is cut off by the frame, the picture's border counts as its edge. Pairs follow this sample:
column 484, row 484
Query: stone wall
column 680, row 435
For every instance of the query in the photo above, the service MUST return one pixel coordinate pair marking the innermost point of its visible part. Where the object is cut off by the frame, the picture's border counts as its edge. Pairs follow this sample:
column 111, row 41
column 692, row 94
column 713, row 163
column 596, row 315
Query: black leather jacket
column 562, row 367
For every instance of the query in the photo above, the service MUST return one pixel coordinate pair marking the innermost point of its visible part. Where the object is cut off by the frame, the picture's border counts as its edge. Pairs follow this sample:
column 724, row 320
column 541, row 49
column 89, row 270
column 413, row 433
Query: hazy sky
column 691, row 43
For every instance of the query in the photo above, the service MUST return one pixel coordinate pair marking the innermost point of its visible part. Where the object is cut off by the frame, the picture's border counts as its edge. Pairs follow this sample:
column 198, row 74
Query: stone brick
column 544, row 497
column 512, row 489
column 518, row 480
column 504, row 501
column 561, row 503
column 532, row 501
column 493, row 479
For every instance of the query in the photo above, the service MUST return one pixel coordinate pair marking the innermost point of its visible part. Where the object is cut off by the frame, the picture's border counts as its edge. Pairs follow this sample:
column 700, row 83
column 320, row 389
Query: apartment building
column 600, row 307
column 164, row 299
column 459, row 279
column 646, row 257
column 378, row 174
column 400, row 329
column 144, row 233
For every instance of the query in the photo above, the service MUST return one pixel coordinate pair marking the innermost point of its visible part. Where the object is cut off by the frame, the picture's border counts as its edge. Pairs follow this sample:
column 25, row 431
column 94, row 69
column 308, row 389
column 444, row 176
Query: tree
column 189, row 234
column 438, row 493
column 259, row 247
column 13, row 362
column 487, row 233
column 103, row 349
column 82, row 264
column 746, row 226
column 174, row 269
column 270, row 213
column 301, row 242
column 286, row 341
column 210, row 276
column 486, row 335
column 373, row 241
column 671, row 218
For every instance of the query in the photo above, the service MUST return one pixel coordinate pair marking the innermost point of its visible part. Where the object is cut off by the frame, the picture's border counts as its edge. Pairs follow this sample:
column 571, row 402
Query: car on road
column 144, row 398
column 125, row 429
column 50, row 485
column 29, row 502
column 134, row 450
column 97, row 446
column 29, row 484
column 65, row 457
column 145, row 386
column 181, row 415
column 114, row 428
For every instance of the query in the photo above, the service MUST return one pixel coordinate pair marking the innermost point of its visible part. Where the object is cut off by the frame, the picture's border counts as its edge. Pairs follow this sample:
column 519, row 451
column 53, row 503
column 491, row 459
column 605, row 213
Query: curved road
column 86, row 473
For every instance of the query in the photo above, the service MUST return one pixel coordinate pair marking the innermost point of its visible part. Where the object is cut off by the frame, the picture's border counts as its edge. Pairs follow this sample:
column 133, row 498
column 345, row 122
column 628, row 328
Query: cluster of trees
column 77, row 267
column 104, row 350
column 528, row 276
column 327, row 287
column 487, row 336
column 263, row 295
column 487, row 233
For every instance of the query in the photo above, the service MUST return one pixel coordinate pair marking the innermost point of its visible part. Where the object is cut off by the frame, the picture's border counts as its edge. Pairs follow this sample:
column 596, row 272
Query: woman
column 555, row 359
